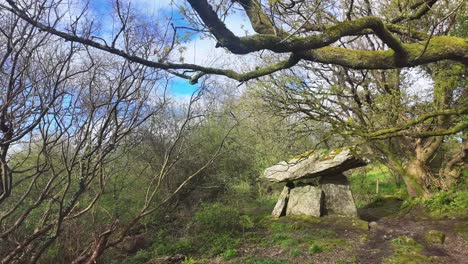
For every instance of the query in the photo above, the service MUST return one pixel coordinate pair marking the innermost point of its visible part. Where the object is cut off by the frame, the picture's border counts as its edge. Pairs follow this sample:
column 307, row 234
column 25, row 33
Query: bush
column 167, row 245
column 442, row 204
column 449, row 203
column 218, row 218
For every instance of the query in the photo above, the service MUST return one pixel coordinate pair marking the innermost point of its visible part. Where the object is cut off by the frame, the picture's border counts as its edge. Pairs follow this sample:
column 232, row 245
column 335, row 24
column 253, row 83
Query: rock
column 280, row 207
column 434, row 236
column 305, row 200
column 312, row 166
column 338, row 199
column 373, row 225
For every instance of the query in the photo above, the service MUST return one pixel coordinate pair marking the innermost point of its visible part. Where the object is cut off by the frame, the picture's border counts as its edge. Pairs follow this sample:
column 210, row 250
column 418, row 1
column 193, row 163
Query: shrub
column 218, row 218
column 447, row 201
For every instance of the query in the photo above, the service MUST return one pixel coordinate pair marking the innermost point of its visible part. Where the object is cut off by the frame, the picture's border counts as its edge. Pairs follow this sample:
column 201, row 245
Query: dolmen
column 315, row 184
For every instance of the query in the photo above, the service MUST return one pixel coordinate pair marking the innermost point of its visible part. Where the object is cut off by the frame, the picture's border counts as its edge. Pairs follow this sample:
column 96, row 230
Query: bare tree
column 67, row 113
column 305, row 29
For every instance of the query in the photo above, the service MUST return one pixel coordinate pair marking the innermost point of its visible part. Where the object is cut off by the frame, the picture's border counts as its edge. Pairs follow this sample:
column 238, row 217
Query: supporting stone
column 338, row 199
column 280, row 207
column 304, row 200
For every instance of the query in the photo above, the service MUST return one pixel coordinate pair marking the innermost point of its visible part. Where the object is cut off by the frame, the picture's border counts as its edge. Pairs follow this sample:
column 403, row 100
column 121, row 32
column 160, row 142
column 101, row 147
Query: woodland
column 101, row 161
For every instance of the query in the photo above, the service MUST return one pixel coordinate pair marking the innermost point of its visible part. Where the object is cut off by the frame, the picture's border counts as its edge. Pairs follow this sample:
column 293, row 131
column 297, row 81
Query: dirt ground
column 374, row 245
column 390, row 238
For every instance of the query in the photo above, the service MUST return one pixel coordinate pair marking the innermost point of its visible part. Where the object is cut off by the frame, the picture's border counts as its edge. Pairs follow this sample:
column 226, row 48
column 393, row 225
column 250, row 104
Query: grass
column 364, row 182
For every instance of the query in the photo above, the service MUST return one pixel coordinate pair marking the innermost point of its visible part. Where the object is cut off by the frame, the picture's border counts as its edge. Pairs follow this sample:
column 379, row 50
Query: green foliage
column 448, row 203
column 229, row 254
column 364, row 183
column 189, row 260
column 166, row 244
column 442, row 204
column 246, row 222
column 218, row 218
column 241, row 188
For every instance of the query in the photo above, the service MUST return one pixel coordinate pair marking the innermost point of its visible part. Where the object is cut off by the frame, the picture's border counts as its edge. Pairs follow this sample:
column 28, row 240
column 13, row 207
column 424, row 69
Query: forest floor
column 393, row 237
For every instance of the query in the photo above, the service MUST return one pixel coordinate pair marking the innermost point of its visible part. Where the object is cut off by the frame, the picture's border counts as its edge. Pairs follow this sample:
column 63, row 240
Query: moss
column 325, row 154
column 410, row 258
column 305, row 218
column 325, row 245
column 303, row 155
column 407, row 250
column 439, row 48
column 462, row 230
column 434, row 236
column 363, row 238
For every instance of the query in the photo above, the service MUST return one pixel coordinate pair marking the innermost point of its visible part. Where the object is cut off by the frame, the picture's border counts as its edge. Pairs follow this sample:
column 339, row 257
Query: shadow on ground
column 380, row 208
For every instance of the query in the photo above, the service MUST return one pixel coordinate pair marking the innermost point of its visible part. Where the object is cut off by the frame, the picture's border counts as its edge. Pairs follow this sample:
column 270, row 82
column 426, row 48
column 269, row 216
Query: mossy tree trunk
column 411, row 173
column 410, row 160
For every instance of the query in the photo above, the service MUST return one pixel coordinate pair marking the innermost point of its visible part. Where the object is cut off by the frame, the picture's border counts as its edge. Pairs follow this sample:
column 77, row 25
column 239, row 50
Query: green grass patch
column 374, row 181
column 229, row 254
column 324, row 245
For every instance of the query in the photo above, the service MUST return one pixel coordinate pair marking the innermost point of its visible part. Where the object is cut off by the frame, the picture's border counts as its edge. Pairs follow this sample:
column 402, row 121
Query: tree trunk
column 417, row 179
column 414, row 174
column 452, row 170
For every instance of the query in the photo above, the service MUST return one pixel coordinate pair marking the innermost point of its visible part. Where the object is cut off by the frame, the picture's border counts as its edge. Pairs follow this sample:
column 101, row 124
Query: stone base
column 280, row 207
column 333, row 197
column 305, row 200
column 338, row 199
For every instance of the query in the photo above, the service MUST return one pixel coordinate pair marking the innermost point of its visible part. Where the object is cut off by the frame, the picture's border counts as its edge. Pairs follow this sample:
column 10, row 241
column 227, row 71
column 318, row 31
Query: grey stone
column 373, row 225
column 280, row 207
column 305, row 200
column 314, row 165
column 338, row 199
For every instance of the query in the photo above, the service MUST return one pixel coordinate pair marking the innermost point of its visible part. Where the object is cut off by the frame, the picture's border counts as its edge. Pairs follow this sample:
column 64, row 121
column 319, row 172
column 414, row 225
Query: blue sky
column 103, row 9
column 201, row 51
column 179, row 86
